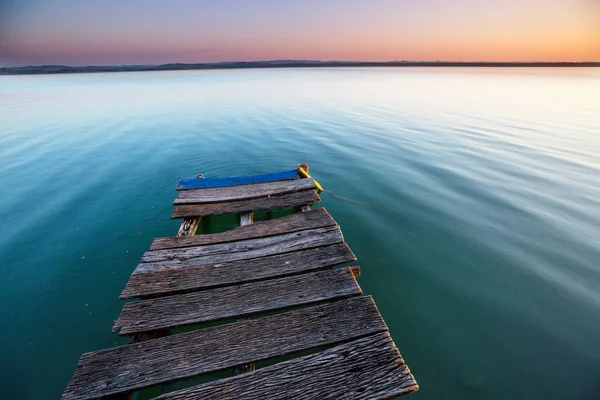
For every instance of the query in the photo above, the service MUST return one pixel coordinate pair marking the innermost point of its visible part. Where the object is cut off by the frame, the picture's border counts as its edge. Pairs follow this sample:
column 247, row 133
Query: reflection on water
column 475, row 212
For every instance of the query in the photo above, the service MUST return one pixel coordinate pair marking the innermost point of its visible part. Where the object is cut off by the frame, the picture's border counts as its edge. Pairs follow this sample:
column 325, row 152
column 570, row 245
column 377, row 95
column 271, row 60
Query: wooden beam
column 244, row 192
column 161, row 260
column 318, row 218
column 243, row 271
column 242, row 206
column 367, row 368
column 235, row 301
column 132, row 367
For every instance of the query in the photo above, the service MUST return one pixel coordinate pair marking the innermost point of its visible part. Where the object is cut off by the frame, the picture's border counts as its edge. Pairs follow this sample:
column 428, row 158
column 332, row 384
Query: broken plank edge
column 237, row 207
column 318, row 218
column 184, row 280
column 158, row 361
column 244, row 192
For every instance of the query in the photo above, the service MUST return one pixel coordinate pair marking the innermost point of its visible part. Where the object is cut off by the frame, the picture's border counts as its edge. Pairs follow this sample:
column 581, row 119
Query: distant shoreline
column 65, row 69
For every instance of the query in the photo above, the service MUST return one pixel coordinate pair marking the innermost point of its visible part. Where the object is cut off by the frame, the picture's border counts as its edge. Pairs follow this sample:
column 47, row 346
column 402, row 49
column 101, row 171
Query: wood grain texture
column 195, row 183
column 318, row 218
column 160, row 260
column 235, row 301
column 236, row 207
column 368, row 368
column 223, row 274
column 244, row 192
column 188, row 227
column 167, row 359
column 245, row 219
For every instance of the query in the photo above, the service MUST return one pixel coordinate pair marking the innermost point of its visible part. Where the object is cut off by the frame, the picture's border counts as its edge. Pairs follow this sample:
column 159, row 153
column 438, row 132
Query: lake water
column 475, row 213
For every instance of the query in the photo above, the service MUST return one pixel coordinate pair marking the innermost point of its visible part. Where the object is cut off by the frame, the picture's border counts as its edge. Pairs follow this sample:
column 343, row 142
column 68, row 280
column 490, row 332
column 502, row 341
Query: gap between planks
column 368, row 368
column 318, row 218
column 160, row 260
column 236, row 272
column 236, row 301
column 136, row 366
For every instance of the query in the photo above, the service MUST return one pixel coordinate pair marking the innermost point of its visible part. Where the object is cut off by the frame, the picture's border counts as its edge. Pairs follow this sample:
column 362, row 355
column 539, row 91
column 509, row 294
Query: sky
column 87, row 32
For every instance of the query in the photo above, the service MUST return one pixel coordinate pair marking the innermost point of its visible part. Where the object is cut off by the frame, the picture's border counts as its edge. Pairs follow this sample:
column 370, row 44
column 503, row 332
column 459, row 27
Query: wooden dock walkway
column 273, row 287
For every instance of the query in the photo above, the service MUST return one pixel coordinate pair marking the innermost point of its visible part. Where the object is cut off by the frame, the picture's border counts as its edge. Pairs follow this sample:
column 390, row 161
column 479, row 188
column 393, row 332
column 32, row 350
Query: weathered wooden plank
column 210, row 276
column 235, row 301
column 167, row 359
column 242, row 206
column 368, row 368
column 195, row 183
column 160, row 260
column 318, row 218
column 244, row 192
column 188, row 253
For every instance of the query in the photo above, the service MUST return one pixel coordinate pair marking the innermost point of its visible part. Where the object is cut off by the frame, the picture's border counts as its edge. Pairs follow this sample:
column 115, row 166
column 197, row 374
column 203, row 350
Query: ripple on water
column 471, row 198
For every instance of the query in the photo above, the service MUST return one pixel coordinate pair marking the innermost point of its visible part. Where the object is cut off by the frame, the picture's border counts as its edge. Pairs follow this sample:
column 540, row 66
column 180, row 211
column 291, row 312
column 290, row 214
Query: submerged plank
column 160, row 260
column 368, row 368
column 188, row 227
column 167, row 359
column 243, row 192
column 235, row 301
column 204, row 183
column 318, row 218
column 236, row 272
column 241, row 206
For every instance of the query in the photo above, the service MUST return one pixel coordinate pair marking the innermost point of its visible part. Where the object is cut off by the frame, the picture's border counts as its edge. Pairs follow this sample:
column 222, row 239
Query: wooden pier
column 273, row 287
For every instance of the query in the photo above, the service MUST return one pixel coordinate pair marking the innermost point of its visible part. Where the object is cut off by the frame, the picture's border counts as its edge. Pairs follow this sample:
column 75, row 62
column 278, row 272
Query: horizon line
column 278, row 64
column 298, row 61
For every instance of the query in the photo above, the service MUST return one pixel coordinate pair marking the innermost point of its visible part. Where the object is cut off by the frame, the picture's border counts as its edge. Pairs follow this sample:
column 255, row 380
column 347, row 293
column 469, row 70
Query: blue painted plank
column 206, row 183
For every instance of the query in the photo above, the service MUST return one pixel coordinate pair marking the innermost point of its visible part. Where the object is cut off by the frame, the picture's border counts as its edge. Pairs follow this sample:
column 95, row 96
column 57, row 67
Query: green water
column 479, row 236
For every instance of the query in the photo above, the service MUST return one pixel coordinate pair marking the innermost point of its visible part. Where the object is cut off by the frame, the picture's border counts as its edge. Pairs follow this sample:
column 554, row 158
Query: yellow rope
column 304, row 173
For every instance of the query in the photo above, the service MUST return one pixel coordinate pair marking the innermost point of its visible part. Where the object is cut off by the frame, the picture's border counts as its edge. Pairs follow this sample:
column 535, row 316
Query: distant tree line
column 64, row 69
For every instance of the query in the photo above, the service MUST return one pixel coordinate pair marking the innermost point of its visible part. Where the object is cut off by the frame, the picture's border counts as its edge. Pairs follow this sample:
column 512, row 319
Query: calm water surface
column 476, row 217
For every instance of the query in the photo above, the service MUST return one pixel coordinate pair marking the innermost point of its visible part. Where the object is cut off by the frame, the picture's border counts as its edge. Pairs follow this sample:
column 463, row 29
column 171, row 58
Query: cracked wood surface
column 245, row 192
column 131, row 367
column 160, row 260
column 237, row 207
column 318, row 218
column 236, row 272
column 235, row 301
column 368, row 368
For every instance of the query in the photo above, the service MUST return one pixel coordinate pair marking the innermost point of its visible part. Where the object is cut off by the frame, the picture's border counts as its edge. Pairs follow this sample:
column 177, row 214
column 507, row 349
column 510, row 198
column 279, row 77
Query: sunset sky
column 82, row 32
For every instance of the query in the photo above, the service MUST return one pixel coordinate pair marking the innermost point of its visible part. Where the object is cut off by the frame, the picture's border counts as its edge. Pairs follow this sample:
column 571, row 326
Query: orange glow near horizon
column 77, row 33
